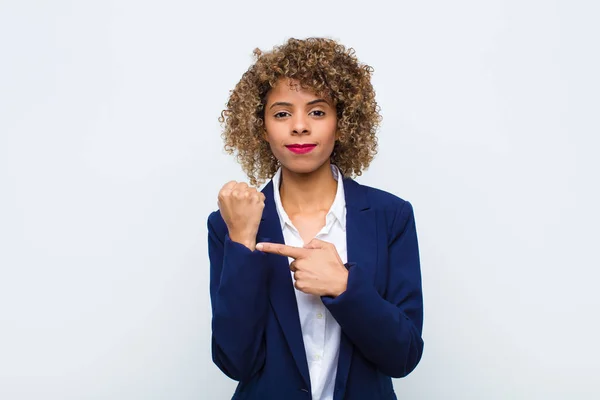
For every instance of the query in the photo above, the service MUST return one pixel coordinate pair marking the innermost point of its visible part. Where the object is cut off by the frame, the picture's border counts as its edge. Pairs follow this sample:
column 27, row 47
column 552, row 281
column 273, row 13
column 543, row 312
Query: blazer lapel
column 281, row 287
column 361, row 240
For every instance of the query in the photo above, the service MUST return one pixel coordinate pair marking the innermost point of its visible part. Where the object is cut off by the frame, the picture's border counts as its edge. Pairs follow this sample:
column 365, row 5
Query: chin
column 305, row 167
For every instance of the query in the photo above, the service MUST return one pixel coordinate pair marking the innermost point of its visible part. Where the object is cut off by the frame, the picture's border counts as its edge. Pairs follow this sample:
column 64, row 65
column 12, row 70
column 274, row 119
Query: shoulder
column 395, row 210
column 401, row 209
column 382, row 199
column 378, row 199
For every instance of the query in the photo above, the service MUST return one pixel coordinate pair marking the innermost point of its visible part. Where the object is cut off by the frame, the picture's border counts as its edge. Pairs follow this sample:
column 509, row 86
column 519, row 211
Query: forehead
column 291, row 90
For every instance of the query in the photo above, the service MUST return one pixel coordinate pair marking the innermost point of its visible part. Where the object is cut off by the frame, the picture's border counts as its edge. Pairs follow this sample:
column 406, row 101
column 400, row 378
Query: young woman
column 315, row 281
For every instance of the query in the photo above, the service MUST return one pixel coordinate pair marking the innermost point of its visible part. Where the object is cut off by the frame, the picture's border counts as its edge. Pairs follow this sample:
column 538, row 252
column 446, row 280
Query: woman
column 315, row 281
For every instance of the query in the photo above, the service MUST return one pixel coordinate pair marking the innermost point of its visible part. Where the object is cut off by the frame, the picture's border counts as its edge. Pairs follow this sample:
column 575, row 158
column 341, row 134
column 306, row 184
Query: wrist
column 341, row 285
column 246, row 240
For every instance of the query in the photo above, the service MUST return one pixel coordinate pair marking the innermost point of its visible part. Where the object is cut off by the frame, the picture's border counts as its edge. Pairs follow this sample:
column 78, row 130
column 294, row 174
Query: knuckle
column 228, row 186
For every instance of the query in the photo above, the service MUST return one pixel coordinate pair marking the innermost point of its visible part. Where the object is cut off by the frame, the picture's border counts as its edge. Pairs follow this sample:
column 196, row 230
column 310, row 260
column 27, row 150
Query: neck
column 307, row 192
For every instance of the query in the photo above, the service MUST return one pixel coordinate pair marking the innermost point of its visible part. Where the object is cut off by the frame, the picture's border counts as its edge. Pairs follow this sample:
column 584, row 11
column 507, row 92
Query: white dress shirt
column 320, row 331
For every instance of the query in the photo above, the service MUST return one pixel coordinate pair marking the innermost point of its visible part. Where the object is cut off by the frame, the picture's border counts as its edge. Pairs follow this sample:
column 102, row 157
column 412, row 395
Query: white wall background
column 111, row 159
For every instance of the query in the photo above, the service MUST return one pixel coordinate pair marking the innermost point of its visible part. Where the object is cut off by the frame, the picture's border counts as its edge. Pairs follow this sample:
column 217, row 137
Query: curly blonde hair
column 322, row 66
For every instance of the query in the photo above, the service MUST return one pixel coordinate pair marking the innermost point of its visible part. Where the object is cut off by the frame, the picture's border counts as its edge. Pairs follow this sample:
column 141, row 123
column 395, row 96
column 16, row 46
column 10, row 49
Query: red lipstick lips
column 301, row 148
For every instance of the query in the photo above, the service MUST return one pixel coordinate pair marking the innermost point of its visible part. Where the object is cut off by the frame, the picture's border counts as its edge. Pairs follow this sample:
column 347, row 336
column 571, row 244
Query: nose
column 300, row 125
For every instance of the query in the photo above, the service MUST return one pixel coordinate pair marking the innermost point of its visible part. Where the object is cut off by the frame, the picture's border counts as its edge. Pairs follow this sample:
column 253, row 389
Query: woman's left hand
column 317, row 267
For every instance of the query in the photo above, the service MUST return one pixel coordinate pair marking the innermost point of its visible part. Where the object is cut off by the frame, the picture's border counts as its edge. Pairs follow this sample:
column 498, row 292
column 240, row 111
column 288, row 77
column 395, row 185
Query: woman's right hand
column 241, row 207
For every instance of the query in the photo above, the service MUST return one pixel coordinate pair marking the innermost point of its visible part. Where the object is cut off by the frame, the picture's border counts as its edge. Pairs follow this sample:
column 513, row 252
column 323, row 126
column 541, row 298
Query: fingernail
column 259, row 246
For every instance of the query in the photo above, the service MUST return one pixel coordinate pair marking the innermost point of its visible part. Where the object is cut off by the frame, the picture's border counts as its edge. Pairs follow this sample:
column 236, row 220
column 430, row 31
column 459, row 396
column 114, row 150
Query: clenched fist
column 241, row 207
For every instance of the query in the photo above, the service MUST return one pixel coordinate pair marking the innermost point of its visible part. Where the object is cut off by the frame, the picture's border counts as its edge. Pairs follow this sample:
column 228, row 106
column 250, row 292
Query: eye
column 319, row 113
column 280, row 114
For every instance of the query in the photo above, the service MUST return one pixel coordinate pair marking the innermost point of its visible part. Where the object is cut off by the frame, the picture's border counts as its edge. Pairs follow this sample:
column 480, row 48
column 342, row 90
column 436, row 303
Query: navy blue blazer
column 256, row 334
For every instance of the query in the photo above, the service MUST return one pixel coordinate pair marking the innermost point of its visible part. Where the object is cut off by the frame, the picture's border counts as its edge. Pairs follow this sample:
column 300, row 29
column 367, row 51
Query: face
column 300, row 127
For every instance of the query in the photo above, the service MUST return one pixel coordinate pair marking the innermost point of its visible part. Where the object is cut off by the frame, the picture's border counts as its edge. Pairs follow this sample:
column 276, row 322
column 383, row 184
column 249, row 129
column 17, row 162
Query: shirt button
column 319, row 316
column 317, row 357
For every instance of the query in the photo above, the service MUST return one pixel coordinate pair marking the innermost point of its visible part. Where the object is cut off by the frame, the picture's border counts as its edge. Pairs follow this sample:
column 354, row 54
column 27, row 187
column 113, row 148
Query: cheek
column 333, row 130
column 273, row 144
column 275, row 132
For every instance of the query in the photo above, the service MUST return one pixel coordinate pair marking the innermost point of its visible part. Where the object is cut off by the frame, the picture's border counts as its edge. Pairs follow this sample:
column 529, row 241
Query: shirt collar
column 338, row 207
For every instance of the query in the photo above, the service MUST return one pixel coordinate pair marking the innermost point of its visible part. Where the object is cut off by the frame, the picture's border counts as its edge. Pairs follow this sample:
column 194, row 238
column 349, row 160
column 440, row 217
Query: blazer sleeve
column 238, row 287
column 387, row 330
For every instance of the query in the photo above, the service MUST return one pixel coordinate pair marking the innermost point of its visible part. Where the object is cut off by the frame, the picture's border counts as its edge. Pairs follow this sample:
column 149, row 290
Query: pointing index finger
column 282, row 249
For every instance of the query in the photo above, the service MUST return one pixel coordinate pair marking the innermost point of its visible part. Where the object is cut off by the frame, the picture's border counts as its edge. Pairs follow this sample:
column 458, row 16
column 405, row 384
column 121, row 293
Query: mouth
column 301, row 148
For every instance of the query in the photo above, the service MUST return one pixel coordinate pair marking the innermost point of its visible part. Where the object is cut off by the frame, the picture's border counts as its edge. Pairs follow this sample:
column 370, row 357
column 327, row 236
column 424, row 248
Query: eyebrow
column 310, row 103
